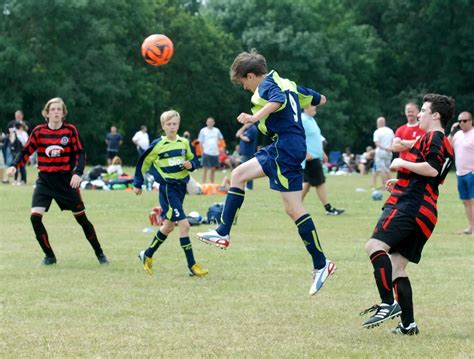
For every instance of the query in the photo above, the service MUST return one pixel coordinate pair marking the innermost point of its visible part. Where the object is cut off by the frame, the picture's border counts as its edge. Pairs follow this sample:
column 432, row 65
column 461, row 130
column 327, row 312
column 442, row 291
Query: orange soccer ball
column 157, row 49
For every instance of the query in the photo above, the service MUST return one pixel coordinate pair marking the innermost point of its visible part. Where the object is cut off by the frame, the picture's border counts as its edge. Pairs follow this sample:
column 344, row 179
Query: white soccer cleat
column 212, row 237
column 321, row 275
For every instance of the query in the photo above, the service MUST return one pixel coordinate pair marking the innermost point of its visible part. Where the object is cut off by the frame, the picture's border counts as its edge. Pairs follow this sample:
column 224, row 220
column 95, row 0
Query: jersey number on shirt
column 293, row 107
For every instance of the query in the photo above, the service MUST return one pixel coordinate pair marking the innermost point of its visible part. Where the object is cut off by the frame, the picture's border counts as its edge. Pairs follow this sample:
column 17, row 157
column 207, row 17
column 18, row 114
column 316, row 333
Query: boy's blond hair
column 46, row 107
column 168, row 115
column 247, row 62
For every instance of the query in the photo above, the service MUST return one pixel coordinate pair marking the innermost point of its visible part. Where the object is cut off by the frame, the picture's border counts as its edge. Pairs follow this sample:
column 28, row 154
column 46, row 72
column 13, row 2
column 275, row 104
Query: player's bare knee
column 374, row 245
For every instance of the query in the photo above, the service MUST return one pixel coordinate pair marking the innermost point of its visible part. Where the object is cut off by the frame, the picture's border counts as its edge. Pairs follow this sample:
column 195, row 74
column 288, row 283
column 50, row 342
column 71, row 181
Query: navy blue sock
column 308, row 234
column 188, row 250
column 155, row 244
column 233, row 202
column 383, row 275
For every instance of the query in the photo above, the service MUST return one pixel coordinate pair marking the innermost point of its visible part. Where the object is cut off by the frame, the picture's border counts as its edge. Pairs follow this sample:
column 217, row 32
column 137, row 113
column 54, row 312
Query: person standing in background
column 113, row 141
column 209, row 138
column 141, row 140
column 463, row 143
column 407, row 134
column 247, row 146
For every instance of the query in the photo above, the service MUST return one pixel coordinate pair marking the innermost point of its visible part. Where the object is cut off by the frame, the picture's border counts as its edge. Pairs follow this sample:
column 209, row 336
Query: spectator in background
column 3, row 164
column 248, row 146
column 383, row 138
column 366, row 160
column 209, row 137
column 406, row 135
column 19, row 117
column 349, row 159
column 22, row 135
column 113, row 141
column 115, row 167
column 313, row 174
column 13, row 147
column 141, row 140
column 462, row 138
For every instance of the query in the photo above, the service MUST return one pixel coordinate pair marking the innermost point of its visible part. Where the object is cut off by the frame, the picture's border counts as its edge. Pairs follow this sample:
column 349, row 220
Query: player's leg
column 306, row 188
column 194, row 268
column 146, row 256
column 91, row 236
column 404, row 295
column 42, row 235
column 469, row 209
column 234, row 200
column 212, row 175
column 323, row 268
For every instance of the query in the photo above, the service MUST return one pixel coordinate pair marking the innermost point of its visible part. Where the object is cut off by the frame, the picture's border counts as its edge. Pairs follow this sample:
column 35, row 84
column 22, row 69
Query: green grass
column 253, row 303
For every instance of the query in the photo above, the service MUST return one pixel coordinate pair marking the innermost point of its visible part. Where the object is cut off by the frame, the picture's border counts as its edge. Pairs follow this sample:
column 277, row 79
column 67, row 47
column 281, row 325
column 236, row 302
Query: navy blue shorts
column 171, row 201
column 281, row 162
column 466, row 186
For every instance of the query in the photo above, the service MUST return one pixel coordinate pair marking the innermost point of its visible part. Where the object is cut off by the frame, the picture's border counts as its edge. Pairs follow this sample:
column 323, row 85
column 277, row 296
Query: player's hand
column 11, row 171
column 188, row 165
column 396, row 164
column 309, row 157
column 138, row 191
column 245, row 118
column 390, row 184
column 75, row 181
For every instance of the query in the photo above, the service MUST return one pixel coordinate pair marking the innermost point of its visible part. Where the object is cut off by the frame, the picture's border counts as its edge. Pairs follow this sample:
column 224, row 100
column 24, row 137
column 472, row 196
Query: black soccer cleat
column 334, row 212
column 412, row 329
column 47, row 261
column 382, row 313
column 102, row 258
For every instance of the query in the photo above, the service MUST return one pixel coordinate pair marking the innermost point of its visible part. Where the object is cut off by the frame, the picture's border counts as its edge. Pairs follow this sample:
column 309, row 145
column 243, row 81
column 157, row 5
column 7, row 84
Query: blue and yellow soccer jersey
column 287, row 119
column 164, row 158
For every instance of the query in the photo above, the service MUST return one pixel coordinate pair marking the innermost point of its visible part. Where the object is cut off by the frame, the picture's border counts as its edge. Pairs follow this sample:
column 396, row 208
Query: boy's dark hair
column 444, row 105
column 247, row 62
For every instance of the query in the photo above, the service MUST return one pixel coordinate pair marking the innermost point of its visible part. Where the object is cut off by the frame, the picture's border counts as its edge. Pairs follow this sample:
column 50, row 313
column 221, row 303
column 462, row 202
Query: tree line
column 368, row 57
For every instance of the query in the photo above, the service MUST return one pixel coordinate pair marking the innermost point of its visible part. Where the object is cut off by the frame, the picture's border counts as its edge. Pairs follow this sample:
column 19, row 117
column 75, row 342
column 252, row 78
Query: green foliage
column 369, row 57
column 88, row 53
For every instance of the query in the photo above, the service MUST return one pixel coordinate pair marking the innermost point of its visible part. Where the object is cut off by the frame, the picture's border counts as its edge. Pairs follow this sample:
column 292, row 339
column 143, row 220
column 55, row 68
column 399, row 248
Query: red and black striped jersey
column 415, row 194
column 58, row 150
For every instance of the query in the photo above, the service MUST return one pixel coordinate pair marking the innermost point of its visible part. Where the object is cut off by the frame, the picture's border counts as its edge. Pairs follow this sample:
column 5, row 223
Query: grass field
column 253, row 303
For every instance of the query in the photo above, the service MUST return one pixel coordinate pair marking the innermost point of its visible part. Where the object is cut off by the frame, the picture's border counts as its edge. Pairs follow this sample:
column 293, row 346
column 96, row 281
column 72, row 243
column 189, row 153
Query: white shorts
column 382, row 161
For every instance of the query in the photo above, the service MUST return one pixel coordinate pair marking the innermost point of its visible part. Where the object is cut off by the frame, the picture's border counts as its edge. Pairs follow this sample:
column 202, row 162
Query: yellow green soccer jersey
column 164, row 160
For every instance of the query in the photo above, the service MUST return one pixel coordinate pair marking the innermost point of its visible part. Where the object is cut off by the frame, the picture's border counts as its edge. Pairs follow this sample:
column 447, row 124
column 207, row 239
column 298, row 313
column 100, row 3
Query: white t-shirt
column 141, row 139
column 209, row 139
column 384, row 136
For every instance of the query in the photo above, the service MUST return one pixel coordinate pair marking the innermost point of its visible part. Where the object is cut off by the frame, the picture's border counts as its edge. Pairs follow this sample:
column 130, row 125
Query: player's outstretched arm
column 260, row 114
column 421, row 168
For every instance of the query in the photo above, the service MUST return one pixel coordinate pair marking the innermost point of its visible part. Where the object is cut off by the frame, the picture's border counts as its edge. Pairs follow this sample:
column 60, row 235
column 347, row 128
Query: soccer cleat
column 147, row 262
column 197, row 270
column 412, row 329
column 334, row 212
column 382, row 313
column 320, row 276
column 47, row 261
column 212, row 237
column 102, row 258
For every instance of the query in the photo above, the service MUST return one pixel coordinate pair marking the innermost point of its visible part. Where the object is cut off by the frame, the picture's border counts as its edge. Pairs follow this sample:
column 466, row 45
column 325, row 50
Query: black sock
column 89, row 231
column 383, row 275
column 328, row 207
column 41, row 234
column 188, row 250
column 308, row 234
column 155, row 244
column 405, row 299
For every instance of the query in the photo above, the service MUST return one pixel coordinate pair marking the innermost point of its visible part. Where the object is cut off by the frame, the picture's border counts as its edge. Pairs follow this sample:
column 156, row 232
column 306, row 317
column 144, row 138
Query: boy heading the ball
column 277, row 104
column 410, row 214
column 61, row 160
column 169, row 159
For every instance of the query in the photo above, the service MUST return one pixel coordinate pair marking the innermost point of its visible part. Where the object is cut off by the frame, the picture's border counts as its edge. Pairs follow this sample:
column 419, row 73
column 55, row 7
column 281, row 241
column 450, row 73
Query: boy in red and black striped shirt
column 410, row 214
column 61, row 160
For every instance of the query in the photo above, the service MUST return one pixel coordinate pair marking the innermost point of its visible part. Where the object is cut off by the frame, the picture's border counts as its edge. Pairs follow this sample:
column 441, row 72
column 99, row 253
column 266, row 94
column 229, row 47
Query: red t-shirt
column 406, row 132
